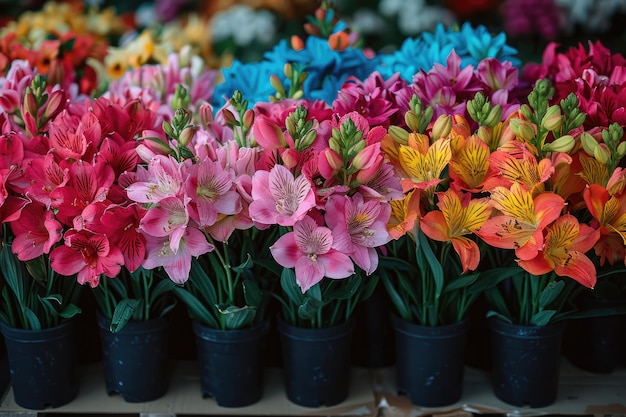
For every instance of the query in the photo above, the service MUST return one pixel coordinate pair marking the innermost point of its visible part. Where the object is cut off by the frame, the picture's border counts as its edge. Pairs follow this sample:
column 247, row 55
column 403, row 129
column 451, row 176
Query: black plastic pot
column 231, row 363
column 430, row 361
column 135, row 359
column 316, row 363
column 526, row 362
column 42, row 365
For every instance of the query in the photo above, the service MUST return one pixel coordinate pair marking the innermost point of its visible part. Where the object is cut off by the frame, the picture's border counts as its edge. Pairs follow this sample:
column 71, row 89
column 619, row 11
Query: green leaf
column 502, row 317
column 196, row 308
column 396, row 299
column 461, row 282
column 124, row 311
column 369, row 287
column 497, row 301
column 163, row 287
column 252, row 293
column 309, row 308
column 31, row 319
column 550, row 293
column 70, row 311
column 201, row 283
column 431, row 261
column 489, row 279
column 290, row 286
column 542, row 318
column 345, row 288
column 234, row 317
column 58, row 298
column 244, row 266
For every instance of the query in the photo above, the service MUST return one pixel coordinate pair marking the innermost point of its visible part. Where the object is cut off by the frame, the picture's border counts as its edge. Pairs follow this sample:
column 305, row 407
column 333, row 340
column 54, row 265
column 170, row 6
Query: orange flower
column 521, row 224
column 610, row 213
column 460, row 216
column 404, row 214
column 522, row 168
column 566, row 243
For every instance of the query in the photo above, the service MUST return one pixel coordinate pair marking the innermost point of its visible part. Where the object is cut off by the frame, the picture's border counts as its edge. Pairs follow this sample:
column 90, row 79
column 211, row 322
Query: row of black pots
column 378, row 339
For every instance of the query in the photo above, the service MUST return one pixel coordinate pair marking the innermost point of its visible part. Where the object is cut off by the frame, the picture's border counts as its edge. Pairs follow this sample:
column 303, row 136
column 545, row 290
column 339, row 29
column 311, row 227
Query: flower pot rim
column 442, row 331
column 315, row 334
column 133, row 326
column 34, row 336
column 240, row 335
column 525, row 331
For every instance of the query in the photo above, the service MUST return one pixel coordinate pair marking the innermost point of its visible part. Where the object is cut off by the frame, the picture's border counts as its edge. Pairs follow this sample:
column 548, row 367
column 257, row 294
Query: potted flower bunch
column 37, row 304
column 547, row 218
column 594, row 75
column 195, row 188
column 440, row 154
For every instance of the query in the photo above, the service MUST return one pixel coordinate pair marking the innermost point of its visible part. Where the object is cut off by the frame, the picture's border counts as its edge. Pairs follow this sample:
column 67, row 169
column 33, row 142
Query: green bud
column 563, row 144
column 523, row 129
column 601, row 154
column 398, row 134
column 589, row 143
column 412, row 121
column 494, row 117
column 442, row 127
column 552, row 120
column 168, row 129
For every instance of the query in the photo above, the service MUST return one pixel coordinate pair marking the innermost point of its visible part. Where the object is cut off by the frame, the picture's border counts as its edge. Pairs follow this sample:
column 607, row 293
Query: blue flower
column 326, row 68
column 471, row 44
column 252, row 79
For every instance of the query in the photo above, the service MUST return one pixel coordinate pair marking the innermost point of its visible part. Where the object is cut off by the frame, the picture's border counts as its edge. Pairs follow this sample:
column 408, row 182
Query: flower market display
column 265, row 167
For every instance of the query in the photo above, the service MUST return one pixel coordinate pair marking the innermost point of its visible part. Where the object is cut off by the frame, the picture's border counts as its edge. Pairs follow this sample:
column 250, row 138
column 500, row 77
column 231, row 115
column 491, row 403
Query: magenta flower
column 169, row 219
column 309, row 248
column 88, row 255
column 279, row 198
column 36, row 231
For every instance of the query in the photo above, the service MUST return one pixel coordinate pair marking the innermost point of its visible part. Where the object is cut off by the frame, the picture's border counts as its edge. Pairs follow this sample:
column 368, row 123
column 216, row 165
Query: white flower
column 367, row 21
column 591, row 15
column 244, row 25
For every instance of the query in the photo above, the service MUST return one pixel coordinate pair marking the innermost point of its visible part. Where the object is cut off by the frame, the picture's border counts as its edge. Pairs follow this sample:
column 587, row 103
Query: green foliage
column 139, row 295
column 33, row 296
column 427, row 288
column 329, row 302
column 224, row 295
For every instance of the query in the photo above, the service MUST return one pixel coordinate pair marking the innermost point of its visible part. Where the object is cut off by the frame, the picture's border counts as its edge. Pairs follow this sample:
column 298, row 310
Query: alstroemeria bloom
column 309, row 248
column 36, row 231
column 610, row 213
column 212, row 192
column 424, row 169
column 522, row 169
column 404, row 214
column 88, row 255
column 523, row 219
column 169, row 219
column 166, row 181
column 460, row 215
column 365, row 222
column 566, row 243
column 176, row 264
column 279, row 198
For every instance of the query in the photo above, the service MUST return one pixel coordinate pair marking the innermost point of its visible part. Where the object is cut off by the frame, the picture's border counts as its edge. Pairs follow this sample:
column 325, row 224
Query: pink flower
column 309, row 248
column 166, row 181
column 177, row 264
column 279, row 198
column 36, row 231
column 169, row 219
column 88, row 255
column 211, row 190
column 365, row 222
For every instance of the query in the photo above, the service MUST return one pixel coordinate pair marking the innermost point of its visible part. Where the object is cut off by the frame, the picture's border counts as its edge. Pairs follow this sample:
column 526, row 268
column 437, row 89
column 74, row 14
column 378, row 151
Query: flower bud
column 621, row 150
column 297, row 43
column 168, row 129
column 589, row 143
column 229, row 117
column 55, row 104
column 398, row 134
column 563, row 144
column 339, row 41
column 494, row 116
column 205, row 113
column 186, row 135
column 307, row 140
column 412, row 120
column 248, row 118
column 602, row 154
column 522, row 129
column 552, row 119
column 442, row 127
